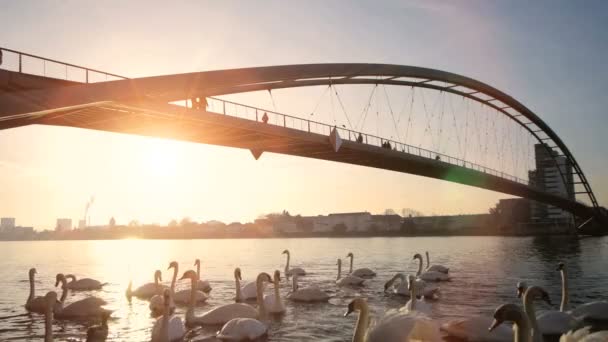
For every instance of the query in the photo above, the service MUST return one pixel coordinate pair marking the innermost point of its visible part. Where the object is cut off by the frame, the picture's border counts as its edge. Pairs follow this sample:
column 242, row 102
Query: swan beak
column 348, row 312
column 385, row 287
column 519, row 292
column 495, row 323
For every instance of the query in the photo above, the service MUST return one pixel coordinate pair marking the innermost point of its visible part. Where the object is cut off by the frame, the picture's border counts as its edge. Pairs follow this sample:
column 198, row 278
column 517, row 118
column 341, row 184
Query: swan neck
column 164, row 329
column 198, row 270
column 522, row 331
column 531, row 313
column 192, row 292
column 419, row 266
column 412, row 297
column 339, row 270
column 362, row 324
column 260, row 296
column 287, row 264
column 294, row 284
column 174, row 280
column 64, row 290
column 428, row 261
column 277, row 294
column 350, row 269
column 48, row 324
column 32, row 288
column 239, row 296
column 565, row 293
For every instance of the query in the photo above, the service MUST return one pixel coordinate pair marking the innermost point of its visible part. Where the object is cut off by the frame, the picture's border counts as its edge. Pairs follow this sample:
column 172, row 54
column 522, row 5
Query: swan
column 99, row 332
column 585, row 335
column 223, row 314
column 430, row 292
column 307, row 294
column 395, row 326
column 84, row 308
column 85, row 284
column 242, row 329
column 273, row 302
column 169, row 327
column 148, row 290
column 50, row 299
column 292, row 271
column 37, row 304
column 532, row 293
column 557, row 322
column 359, row 272
column 247, row 291
column 183, row 296
column 436, row 268
column 429, row 275
column 419, row 304
column 349, row 280
column 513, row 313
column 202, row 285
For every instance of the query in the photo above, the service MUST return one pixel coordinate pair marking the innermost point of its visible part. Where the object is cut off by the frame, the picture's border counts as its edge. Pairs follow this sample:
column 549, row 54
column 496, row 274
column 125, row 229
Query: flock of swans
column 241, row 320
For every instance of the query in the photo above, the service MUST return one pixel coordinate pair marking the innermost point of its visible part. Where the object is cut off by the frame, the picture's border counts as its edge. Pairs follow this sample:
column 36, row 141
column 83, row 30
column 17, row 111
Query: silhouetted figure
column 0, row 57
column 360, row 138
column 265, row 118
column 437, row 157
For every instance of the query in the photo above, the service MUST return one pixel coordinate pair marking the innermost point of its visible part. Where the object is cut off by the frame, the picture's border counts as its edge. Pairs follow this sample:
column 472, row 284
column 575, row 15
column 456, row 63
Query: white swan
column 169, row 327
column 395, row 326
column 430, row 292
column 84, row 308
column 414, row 301
column 50, row 298
column 247, row 291
column 242, row 329
column 273, row 302
column 223, row 314
column 436, row 268
column 593, row 311
column 202, row 285
column 557, row 322
column 429, row 275
column 37, row 304
column 532, row 293
column 183, row 296
column 585, row 335
column 359, row 272
column 513, row 313
column 308, row 294
column 349, row 280
column 292, row 271
column 85, row 284
column 147, row 290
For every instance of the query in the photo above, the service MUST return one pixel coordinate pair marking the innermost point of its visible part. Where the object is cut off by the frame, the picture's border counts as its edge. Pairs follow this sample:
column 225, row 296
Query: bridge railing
column 242, row 111
column 36, row 65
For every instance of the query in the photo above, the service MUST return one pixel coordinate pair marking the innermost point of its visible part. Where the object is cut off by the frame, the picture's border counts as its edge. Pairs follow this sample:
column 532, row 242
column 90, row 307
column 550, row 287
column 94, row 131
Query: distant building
column 547, row 177
column 63, row 225
column 7, row 223
column 342, row 222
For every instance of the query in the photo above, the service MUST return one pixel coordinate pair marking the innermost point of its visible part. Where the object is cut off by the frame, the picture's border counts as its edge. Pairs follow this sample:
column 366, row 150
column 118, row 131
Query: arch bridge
column 93, row 99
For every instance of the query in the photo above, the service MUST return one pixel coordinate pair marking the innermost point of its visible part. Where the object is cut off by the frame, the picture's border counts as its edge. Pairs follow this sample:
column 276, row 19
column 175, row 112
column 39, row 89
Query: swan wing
column 249, row 290
column 555, row 322
column 183, row 296
column 203, row 285
column 296, row 270
column 438, row 268
column 225, row 313
column 85, row 284
column 309, row 294
column 475, row 329
column 82, row 308
column 434, row 276
column 363, row 272
column 399, row 326
column 593, row 310
column 240, row 329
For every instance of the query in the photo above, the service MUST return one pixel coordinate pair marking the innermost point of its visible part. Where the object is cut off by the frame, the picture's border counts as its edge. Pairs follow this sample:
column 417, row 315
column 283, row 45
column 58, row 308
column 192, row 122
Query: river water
column 484, row 270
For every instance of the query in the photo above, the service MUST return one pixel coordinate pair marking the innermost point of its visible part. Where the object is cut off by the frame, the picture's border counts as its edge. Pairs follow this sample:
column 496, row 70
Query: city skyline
column 55, row 174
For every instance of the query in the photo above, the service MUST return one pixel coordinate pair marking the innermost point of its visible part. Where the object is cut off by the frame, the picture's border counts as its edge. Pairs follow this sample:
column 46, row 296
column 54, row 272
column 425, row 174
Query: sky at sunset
column 549, row 55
